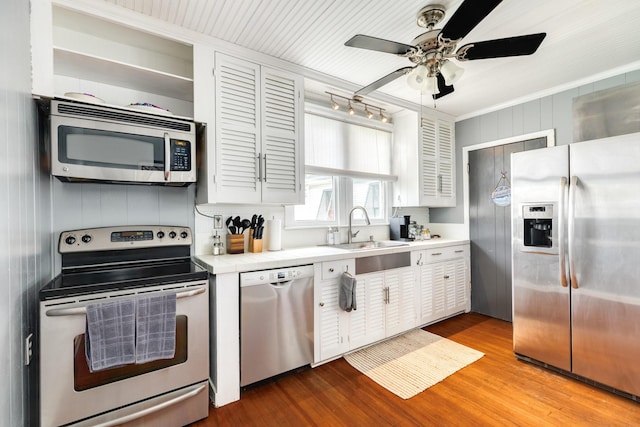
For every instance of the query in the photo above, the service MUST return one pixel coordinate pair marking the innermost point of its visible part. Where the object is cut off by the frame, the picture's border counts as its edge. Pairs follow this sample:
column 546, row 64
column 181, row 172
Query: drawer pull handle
column 459, row 251
column 446, row 277
column 437, row 253
column 331, row 270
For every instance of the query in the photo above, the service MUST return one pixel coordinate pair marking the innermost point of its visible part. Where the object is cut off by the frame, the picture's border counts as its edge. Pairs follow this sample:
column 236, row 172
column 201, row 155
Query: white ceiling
column 586, row 39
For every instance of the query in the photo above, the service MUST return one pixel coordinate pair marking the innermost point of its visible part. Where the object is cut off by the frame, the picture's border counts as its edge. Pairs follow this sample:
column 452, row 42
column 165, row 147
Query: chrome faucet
column 351, row 235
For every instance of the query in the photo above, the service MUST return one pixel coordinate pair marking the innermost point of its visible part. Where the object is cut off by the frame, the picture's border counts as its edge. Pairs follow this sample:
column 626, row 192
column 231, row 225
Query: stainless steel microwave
column 100, row 143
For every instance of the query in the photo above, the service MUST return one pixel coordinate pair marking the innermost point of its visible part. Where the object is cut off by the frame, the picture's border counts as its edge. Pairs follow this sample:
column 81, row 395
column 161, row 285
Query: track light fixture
column 334, row 104
column 383, row 118
column 354, row 102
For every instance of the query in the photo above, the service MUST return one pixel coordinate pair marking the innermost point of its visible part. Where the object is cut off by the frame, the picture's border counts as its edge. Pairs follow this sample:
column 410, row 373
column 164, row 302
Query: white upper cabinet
column 121, row 65
column 256, row 155
column 424, row 160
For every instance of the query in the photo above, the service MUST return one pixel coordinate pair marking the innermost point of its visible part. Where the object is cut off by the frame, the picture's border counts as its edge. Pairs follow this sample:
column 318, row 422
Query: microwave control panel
column 180, row 155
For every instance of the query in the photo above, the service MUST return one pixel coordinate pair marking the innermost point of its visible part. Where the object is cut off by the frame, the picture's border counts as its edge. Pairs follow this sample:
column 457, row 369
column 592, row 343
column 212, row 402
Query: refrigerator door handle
column 573, row 186
column 562, row 216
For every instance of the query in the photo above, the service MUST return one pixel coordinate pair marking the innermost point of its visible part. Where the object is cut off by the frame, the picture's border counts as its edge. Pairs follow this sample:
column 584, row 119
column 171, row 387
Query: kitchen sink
column 358, row 246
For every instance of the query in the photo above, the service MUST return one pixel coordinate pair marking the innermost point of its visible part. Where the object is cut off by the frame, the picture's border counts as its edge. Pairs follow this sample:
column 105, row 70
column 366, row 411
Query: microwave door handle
column 167, row 156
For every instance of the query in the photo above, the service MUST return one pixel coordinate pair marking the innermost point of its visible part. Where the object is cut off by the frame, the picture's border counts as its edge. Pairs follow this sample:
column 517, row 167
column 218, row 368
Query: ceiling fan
column 431, row 52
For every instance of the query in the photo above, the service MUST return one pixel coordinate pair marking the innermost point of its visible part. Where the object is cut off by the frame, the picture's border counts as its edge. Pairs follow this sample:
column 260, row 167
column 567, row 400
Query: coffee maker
column 399, row 228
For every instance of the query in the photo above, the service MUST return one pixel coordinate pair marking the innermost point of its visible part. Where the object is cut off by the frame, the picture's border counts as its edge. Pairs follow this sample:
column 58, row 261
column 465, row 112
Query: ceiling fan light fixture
column 451, row 72
column 431, row 85
column 417, row 78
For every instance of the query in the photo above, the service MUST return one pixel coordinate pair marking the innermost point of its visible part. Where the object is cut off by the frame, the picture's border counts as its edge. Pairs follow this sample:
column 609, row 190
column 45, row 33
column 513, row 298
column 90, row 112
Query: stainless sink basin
column 358, row 246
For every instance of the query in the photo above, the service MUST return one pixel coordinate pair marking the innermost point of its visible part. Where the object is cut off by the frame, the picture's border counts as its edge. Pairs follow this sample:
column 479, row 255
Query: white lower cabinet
column 444, row 282
column 386, row 305
column 330, row 321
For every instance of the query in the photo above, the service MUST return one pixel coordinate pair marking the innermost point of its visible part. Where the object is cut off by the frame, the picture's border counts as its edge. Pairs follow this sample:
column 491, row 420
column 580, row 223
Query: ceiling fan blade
column 380, row 45
column 383, row 81
column 466, row 17
column 499, row 48
column 442, row 87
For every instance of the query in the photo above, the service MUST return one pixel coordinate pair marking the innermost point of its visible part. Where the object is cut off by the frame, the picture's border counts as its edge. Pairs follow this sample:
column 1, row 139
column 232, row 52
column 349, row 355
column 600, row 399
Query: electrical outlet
column 28, row 349
column 217, row 222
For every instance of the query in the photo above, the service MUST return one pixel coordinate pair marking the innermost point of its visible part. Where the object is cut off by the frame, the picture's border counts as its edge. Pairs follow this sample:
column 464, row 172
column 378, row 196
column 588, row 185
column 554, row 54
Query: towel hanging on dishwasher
column 347, row 293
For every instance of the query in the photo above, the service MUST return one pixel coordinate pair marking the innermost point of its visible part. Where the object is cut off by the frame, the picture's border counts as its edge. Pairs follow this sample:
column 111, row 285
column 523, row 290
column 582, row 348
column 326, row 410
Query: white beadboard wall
column 77, row 205
column 291, row 237
column 25, row 219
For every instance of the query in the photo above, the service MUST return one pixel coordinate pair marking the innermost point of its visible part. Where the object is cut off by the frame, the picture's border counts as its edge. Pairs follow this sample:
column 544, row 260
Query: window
column 346, row 165
column 320, row 200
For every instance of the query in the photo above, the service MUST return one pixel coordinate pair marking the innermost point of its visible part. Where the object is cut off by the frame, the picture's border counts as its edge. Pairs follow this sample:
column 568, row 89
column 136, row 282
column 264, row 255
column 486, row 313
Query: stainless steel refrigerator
column 576, row 259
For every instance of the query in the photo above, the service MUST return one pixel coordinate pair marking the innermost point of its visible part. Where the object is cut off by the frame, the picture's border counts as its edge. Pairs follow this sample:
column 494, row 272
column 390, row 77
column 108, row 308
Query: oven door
column 110, row 151
column 69, row 392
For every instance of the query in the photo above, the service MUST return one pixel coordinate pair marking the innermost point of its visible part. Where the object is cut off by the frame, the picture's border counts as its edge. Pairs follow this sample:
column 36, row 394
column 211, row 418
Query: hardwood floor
column 497, row 390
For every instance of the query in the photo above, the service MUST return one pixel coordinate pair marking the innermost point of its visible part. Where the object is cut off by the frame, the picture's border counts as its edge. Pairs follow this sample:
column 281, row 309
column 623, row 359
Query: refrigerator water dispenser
column 538, row 225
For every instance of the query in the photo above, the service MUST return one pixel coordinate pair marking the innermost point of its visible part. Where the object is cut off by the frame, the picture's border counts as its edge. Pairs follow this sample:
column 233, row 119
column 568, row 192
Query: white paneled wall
column 25, row 218
column 550, row 112
column 77, row 205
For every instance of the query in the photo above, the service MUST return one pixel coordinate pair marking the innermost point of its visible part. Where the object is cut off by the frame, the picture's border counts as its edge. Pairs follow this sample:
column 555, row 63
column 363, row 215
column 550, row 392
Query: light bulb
column 383, row 118
column 351, row 110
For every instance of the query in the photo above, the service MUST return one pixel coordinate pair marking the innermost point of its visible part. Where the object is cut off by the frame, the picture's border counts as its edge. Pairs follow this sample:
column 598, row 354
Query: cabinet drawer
column 333, row 269
column 441, row 254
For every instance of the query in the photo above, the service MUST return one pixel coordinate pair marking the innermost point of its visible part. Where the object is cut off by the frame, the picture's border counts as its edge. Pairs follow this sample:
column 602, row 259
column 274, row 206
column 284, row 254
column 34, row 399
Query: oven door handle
column 151, row 410
column 55, row 312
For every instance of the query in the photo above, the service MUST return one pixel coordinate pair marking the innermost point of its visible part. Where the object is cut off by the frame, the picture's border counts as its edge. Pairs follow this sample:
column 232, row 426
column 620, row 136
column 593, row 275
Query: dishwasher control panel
column 276, row 275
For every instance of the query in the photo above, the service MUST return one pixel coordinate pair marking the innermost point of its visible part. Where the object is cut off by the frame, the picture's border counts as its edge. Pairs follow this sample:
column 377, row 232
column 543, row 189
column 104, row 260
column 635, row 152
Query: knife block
column 235, row 243
column 255, row 245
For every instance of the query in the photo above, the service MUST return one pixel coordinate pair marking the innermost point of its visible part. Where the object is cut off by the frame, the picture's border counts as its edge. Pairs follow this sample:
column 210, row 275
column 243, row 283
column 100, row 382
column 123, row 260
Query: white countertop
column 237, row 263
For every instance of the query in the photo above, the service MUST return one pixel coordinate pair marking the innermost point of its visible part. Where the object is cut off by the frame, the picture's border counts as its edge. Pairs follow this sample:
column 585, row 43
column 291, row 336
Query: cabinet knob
column 331, row 270
column 321, row 304
column 446, row 277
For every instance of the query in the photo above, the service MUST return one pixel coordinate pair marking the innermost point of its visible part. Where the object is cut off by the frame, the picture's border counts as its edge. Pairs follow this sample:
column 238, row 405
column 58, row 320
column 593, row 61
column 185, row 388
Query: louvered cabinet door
column 282, row 119
column 238, row 131
column 401, row 310
column 367, row 323
column 446, row 162
column 437, row 171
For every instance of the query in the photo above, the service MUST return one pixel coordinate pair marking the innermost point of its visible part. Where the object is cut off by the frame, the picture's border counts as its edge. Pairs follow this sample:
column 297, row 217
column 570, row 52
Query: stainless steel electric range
column 114, row 264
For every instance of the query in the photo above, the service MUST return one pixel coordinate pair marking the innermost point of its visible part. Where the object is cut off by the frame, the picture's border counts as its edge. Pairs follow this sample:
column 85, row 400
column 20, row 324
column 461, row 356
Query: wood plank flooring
column 497, row 390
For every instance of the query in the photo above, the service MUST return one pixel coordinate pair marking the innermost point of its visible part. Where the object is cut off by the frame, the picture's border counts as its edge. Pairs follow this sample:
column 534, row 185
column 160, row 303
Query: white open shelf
column 89, row 67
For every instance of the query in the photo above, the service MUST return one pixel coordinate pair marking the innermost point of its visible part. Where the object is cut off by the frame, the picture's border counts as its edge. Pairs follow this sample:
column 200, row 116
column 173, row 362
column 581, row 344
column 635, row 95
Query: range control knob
column 172, row 234
column 86, row 238
column 184, row 234
column 160, row 234
column 70, row 240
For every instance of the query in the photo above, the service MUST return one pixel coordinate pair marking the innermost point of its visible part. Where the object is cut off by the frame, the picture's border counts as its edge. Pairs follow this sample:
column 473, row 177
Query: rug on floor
column 410, row 363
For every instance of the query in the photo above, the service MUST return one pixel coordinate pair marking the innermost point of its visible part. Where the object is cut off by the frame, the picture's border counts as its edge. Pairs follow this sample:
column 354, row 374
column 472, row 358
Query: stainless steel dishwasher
column 276, row 322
